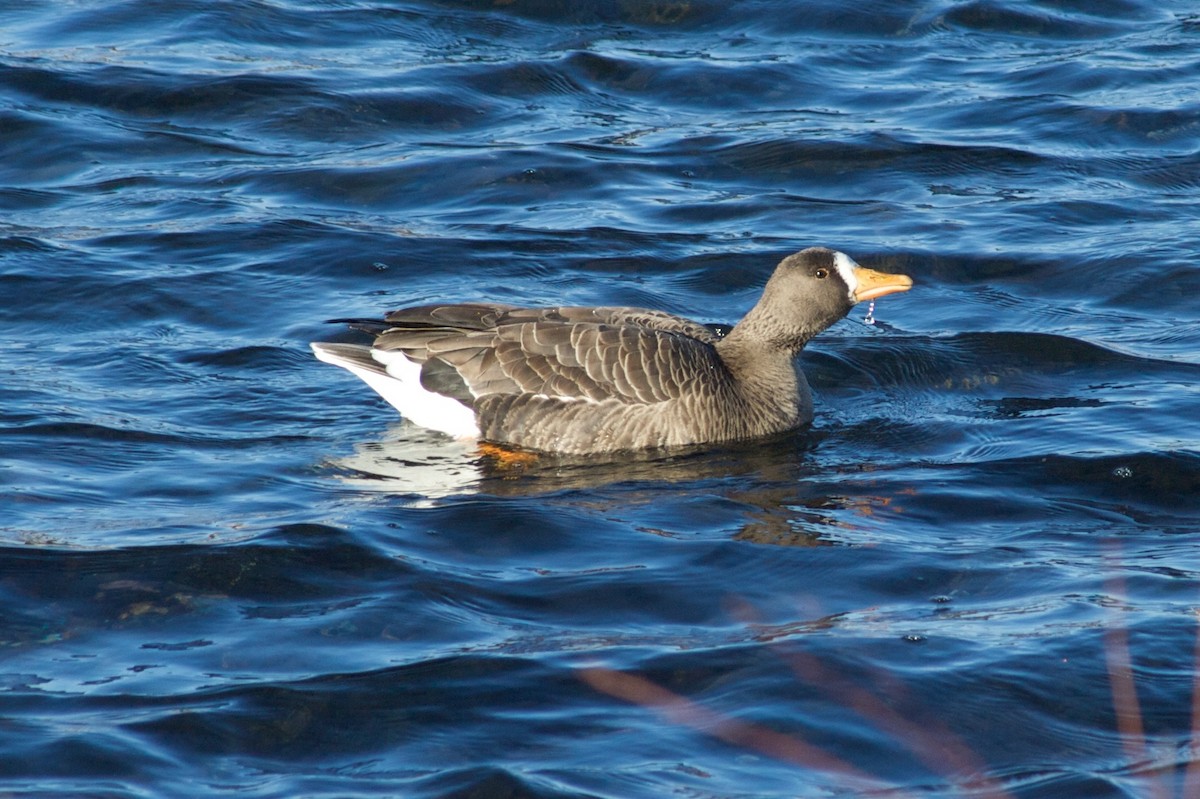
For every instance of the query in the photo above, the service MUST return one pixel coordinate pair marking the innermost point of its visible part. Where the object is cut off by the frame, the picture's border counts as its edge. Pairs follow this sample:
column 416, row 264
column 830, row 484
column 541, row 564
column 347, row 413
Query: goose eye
column 822, row 273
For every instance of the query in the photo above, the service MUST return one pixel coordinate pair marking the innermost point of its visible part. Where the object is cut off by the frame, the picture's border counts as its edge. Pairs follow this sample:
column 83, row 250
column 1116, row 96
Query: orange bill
column 872, row 284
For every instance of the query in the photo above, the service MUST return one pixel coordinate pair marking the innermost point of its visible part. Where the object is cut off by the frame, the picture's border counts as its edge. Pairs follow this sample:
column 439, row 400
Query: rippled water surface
column 228, row 569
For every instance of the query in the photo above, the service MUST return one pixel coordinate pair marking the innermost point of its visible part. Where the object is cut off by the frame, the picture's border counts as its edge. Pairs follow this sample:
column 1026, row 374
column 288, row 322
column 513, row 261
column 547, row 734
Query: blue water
column 228, row 569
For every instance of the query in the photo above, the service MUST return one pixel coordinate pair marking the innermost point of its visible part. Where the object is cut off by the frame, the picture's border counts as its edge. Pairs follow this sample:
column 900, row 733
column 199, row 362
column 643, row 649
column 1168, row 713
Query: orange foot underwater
column 507, row 458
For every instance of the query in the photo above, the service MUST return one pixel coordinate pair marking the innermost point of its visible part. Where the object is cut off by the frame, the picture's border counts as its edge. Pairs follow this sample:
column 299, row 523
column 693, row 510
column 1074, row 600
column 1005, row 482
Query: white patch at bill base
column 845, row 266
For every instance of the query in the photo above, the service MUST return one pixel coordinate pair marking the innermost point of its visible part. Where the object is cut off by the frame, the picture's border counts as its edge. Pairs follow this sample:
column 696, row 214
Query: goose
column 593, row 380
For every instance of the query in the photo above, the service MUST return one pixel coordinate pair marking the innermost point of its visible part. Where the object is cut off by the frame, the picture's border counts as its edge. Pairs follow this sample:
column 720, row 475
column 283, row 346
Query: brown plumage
column 586, row 380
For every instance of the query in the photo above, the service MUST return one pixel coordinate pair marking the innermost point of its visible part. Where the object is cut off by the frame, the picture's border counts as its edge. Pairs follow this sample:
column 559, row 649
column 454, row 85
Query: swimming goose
column 594, row 380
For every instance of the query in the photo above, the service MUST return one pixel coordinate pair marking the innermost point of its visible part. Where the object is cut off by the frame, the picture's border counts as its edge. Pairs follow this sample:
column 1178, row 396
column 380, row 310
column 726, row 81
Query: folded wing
column 631, row 355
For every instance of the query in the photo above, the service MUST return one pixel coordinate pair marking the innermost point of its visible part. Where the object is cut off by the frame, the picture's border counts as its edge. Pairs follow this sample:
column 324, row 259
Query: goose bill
column 872, row 285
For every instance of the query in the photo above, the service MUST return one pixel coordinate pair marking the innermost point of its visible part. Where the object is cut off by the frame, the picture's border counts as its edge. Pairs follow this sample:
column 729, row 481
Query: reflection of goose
column 588, row 380
column 765, row 491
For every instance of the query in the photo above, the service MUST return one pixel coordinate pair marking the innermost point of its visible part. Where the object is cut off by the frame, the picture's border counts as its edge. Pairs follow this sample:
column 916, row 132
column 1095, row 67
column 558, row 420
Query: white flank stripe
column 401, row 387
column 565, row 398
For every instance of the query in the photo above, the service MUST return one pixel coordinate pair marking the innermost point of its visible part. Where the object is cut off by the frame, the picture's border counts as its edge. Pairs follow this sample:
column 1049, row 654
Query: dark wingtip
column 372, row 326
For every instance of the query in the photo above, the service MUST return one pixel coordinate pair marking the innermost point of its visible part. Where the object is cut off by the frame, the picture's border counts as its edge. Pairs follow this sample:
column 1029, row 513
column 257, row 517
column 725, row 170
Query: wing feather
column 633, row 355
